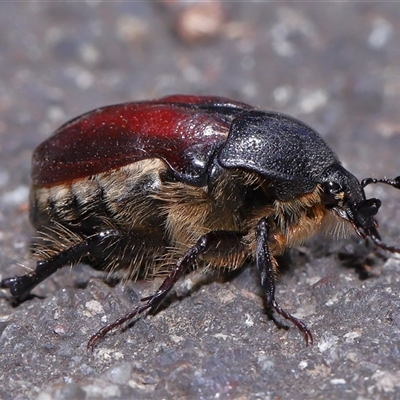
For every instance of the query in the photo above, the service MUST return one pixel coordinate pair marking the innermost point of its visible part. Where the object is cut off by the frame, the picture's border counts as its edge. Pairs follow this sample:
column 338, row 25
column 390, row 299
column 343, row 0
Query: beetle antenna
column 392, row 182
column 375, row 238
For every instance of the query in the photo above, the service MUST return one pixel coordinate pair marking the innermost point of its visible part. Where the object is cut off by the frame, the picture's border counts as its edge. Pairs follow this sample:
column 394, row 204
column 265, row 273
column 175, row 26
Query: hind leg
column 20, row 286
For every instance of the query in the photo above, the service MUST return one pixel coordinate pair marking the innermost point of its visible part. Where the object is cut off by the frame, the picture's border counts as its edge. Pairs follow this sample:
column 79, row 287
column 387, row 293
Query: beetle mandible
column 182, row 182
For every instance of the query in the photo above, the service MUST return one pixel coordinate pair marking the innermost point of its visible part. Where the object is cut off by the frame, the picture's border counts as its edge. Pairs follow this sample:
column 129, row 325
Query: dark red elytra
column 115, row 136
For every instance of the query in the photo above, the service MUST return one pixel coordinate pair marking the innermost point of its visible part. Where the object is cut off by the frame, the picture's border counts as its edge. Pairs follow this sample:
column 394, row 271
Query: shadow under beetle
column 187, row 181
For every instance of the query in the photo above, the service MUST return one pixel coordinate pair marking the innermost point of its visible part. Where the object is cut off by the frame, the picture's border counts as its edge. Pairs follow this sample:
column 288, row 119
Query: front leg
column 267, row 277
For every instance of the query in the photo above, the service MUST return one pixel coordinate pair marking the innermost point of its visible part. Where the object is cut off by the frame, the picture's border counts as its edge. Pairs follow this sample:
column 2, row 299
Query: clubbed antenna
column 373, row 234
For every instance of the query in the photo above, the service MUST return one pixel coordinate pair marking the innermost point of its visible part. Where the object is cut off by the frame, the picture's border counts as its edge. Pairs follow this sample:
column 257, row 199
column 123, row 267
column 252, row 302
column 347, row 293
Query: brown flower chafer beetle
column 187, row 181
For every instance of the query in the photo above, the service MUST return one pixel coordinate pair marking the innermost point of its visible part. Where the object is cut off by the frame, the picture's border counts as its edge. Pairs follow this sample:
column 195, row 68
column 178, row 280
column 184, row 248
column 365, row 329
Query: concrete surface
column 334, row 65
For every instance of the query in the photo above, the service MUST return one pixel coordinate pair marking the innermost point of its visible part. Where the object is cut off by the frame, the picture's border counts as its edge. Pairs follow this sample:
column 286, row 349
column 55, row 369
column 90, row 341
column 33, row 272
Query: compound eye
column 331, row 191
column 332, row 188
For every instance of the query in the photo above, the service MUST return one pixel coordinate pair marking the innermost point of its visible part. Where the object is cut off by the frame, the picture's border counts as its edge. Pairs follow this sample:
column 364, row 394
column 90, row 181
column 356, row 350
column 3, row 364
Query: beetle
column 187, row 181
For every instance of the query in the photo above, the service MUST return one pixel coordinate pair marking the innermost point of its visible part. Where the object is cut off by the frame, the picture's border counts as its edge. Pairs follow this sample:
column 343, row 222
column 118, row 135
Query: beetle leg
column 267, row 277
column 20, row 286
column 392, row 182
column 206, row 242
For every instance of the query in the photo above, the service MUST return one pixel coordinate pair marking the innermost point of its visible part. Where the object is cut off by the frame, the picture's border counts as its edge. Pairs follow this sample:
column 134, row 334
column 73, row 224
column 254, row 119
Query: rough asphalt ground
column 334, row 65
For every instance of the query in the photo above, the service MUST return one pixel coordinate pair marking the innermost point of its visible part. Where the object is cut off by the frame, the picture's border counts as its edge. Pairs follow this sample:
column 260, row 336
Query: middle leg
column 216, row 241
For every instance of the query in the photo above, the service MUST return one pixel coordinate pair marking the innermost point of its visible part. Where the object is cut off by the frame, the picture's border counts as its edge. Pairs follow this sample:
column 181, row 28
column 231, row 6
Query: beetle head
column 344, row 195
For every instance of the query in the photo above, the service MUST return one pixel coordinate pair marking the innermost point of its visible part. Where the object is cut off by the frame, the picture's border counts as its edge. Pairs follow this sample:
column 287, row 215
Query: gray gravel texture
column 334, row 65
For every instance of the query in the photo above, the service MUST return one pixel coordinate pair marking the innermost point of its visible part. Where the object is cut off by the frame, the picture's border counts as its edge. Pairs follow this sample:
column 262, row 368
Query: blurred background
column 334, row 65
